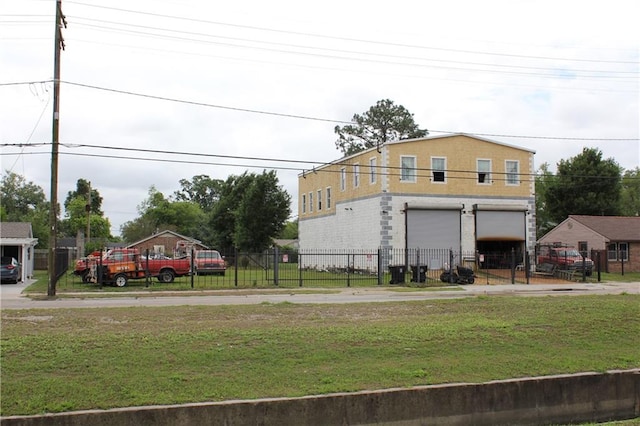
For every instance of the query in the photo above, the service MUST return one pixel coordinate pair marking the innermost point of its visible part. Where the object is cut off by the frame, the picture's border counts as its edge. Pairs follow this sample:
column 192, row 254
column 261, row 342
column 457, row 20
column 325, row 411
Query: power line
column 303, row 117
column 348, row 38
column 555, row 71
column 314, row 166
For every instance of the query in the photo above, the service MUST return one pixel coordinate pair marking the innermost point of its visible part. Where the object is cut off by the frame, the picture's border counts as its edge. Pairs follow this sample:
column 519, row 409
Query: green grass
column 70, row 359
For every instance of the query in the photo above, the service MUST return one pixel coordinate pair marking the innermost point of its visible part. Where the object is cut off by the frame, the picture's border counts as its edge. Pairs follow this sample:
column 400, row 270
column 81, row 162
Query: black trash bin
column 418, row 273
column 397, row 274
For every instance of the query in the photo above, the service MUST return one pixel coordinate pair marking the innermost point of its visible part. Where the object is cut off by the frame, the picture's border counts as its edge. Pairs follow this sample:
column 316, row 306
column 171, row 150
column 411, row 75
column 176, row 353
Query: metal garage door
column 499, row 225
column 433, row 228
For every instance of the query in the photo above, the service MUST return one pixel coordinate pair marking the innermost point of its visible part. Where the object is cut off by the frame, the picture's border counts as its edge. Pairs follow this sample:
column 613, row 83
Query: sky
column 153, row 92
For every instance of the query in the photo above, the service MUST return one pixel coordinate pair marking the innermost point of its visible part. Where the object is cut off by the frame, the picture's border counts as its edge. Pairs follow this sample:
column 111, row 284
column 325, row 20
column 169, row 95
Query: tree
column 24, row 201
column 76, row 220
column 290, row 230
column 262, row 212
column 201, row 189
column 86, row 192
column 543, row 222
column 585, row 184
column 158, row 213
column 630, row 196
column 251, row 212
column 382, row 123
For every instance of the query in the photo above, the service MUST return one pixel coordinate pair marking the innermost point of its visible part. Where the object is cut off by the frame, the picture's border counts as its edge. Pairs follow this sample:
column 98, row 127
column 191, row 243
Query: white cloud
column 565, row 69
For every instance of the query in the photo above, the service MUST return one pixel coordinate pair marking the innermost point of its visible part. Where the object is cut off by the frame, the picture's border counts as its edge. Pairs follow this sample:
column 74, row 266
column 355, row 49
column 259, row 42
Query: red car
column 209, row 262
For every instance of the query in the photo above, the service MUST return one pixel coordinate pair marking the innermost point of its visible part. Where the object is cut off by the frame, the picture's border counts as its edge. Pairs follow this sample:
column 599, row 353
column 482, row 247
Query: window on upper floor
column 328, row 198
column 408, row 168
column 304, row 203
column 484, row 171
column 356, row 175
column 343, row 178
column 438, row 168
column 310, row 202
column 319, row 199
column 513, row 172
column 372, row 169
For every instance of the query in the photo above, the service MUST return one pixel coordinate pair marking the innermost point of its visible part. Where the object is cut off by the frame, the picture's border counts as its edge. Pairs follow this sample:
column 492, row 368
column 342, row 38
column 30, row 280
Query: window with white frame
column 372, row 169
column 343, row 178
column 304, row 203
column 408, row 168
column 319, row 199
column 484, row 171
column 438, row 169
column 329, row 198
column 618, row 251
column 356, row 175
column 513, row 172
column 310, row 202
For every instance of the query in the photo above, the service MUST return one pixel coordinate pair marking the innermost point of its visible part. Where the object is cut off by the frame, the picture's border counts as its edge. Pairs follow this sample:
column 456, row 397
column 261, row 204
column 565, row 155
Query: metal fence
column 278, row 268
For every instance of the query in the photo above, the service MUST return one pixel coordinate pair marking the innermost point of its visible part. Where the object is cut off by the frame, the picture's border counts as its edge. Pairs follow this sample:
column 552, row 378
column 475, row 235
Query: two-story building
column 457, row 192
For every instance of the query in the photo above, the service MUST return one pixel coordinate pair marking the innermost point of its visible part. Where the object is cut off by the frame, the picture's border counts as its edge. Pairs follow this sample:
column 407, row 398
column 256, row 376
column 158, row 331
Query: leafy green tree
column 630, row 196
column 290, row 230
column 201, row 189
column 383, row 122
column 158, row 213
column 262, row 212
column 251, row 212
column 543, row 221
column 86, row 192
column 76, row 220
column 24, row 201
column 585, row 184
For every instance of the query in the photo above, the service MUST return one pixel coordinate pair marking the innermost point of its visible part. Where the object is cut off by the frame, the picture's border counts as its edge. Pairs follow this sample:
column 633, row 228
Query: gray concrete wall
column 587, row 397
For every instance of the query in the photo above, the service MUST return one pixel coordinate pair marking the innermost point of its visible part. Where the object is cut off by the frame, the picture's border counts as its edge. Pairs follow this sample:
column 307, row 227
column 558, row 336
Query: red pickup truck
column 120, row 265
column 565, row 258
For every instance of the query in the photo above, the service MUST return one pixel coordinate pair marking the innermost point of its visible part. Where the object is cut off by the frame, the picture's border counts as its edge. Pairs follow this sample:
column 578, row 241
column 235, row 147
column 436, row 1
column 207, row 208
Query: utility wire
column 345, row 38
column 353, row 52
column 303, row 117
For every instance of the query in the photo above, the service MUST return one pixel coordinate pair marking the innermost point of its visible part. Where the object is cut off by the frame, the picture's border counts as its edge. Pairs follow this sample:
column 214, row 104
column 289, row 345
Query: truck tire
column 120, row 280
column 166, row 276
column 86, row 278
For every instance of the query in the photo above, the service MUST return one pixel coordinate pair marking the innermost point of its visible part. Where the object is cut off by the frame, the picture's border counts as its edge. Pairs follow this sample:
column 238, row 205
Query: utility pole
column 88, row 209
column 53, row 212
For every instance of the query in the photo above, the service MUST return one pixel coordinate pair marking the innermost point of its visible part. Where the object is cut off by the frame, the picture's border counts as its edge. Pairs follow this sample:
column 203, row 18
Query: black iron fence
column 342, row 268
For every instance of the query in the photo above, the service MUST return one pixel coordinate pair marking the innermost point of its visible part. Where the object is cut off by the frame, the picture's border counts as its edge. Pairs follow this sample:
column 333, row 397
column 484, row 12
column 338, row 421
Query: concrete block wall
column 564, row 399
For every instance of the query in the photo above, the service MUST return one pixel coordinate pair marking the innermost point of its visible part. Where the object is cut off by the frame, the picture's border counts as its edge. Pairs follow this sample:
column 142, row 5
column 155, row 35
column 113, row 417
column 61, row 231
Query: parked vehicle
column 209, row 262
column 118, row 266
column 565, row 258
column 10, row 271
column 462, row 275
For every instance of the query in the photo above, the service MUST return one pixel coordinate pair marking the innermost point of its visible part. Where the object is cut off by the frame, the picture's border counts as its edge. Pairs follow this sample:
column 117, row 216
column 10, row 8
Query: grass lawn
column 62, row 360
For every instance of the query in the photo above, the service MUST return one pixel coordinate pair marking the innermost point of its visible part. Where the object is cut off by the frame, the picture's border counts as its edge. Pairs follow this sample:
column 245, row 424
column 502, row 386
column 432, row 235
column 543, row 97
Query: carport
column 16, row 240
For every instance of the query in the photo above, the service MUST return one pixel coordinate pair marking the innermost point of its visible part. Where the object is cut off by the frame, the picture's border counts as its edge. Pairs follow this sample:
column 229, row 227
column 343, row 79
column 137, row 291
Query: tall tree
column 630, row 196
column 251, row 212
column 383, row 122
column 158, row 213
column 201, row 189
column 24, row 201
column 262, row 213
column 585, row 184
column 76, row 220
column 86, row 192
column 543, row 221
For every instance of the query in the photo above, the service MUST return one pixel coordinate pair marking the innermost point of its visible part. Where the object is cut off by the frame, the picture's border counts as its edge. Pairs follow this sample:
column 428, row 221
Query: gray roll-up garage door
column 433, row 229
column 494, row 225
